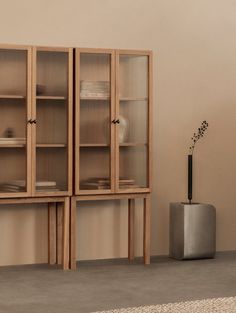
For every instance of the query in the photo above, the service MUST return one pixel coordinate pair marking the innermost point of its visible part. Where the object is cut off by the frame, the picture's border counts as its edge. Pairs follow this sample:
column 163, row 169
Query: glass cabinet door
column 94, row 112
column 15, row 104
column 52, row 121
column 133, row 129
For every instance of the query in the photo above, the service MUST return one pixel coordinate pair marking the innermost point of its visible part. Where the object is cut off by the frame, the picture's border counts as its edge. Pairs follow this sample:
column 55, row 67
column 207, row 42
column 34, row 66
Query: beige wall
column 194, row 79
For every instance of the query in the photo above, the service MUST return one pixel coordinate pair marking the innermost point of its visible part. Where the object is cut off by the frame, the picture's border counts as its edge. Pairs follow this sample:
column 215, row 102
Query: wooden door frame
column 78, row 52
column 68, row 192
column 149, row 54
column 28, row 50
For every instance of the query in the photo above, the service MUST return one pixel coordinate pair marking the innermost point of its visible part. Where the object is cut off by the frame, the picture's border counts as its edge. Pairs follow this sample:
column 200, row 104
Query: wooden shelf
column 12, row 97
column 51, row 145
column 108, row 98
column 93, row 145
column 95, row 98
column 133, row 99
column 51, row 98
column 132, row 144
column 12, row 146
column 98, row 145
column 41, row 145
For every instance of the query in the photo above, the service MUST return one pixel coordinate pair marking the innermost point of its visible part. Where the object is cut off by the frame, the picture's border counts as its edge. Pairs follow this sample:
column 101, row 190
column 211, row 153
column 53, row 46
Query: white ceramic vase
column 123, row 128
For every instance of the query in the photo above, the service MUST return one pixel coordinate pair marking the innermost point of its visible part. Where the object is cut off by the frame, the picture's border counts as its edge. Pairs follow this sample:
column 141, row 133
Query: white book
column 45, row 183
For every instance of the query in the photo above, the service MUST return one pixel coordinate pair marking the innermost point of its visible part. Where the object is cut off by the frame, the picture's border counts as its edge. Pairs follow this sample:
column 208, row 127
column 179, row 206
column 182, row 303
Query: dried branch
column 198, row 135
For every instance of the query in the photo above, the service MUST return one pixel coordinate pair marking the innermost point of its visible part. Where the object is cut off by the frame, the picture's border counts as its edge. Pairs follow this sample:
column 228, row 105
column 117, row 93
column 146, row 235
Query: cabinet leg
column 73, row 233
column 131, row 204
column 52, row 236
column 146, row 229
column 59, row 231
column 65, row 234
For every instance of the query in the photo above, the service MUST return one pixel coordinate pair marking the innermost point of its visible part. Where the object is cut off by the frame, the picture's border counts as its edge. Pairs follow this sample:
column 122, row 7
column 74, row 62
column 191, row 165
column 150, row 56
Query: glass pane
column 13, row 117
column 95, row 103
column 133, row 82
column 133, row 163
column 52, row 115
column 133, row 118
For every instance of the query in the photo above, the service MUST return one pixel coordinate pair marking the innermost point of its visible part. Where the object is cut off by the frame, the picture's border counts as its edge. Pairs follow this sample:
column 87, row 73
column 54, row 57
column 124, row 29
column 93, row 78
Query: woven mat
column 216, row 305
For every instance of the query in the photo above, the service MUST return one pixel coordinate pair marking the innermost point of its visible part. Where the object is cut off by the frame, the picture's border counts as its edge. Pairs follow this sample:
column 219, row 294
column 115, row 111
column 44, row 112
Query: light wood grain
column 12, row 146
column 146, row 229
column 65, row 248
column 12, row 97
column 29, row 114
column 54, row 49
column 70, row 124
column 95, row 50
column 133, row 99
column 132, row 144
column 73, row 233
column 59, row 222
column 52, row 235
column 19, row 200
column 13, row 47
column 48, row 145
column 134, row 52
column 150, row 122
column 131, row 208
column 51, row 98
column 113, row 126
column 133, row 190
column 93, row 145
column 117, row 114
column 77, row 119
column 33, row 126
column 110, row 196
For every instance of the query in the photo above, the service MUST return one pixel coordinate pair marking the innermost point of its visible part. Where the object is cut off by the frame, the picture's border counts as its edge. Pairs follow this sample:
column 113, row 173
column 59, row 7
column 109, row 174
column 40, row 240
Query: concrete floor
column 103, row 285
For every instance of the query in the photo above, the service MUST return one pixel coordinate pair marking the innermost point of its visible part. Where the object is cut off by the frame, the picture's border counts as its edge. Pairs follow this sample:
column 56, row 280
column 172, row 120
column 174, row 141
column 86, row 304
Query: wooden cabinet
column 111, row 126
column 35, row 121
column 112, row 121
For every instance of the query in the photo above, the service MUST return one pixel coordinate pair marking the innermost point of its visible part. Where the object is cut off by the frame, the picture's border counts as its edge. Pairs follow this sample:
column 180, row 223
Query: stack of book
column 14, row 186
column 126, row 183
column 104, row 183
column 12, row 141
column 96, row 183
column 89, row 88
column 20, row 186
column 45, row 186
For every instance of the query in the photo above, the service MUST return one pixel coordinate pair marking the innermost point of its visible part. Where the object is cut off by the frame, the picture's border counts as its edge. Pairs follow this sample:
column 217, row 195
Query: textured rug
column 216, row 305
